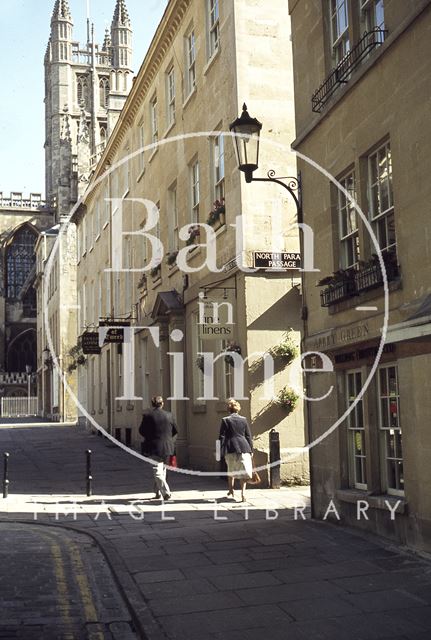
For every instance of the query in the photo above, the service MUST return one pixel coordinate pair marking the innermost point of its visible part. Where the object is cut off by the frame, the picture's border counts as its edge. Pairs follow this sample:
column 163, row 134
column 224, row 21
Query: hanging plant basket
column 288, row 399
column 286, row 349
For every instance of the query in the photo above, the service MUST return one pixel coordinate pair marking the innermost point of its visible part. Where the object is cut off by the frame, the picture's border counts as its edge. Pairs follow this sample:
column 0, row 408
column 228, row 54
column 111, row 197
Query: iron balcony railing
column 341, row 74
column 337, row 292
column 358, row 280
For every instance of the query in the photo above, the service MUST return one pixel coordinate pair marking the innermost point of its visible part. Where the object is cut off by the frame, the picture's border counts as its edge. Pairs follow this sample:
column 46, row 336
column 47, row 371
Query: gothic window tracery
column 103, row 92
column 82, row 90
column 20, row 259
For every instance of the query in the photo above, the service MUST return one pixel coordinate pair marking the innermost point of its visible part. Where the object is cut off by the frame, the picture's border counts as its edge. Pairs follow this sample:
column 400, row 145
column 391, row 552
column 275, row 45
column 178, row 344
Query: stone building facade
column 85, row 90
column 171, row 147
column 362, row 114
column 21, row 221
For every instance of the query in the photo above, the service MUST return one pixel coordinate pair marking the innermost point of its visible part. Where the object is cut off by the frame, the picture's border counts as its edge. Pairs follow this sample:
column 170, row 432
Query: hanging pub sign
column 90, row 342
column 114, row 330
column 216, row 315
column 276, row 260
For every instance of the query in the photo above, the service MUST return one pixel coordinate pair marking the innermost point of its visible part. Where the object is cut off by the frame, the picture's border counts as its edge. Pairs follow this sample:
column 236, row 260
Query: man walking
column 158, row 429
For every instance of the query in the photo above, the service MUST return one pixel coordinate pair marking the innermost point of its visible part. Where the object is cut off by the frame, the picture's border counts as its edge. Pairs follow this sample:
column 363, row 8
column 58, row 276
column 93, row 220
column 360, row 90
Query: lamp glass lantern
column 246, row 132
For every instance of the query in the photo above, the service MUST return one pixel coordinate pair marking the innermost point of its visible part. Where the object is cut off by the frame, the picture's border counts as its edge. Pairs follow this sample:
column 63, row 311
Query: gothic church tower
column 85, row 89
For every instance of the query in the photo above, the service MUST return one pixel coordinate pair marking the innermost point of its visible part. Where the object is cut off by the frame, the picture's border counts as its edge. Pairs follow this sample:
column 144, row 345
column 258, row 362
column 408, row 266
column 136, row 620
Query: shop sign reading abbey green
column 276, row 260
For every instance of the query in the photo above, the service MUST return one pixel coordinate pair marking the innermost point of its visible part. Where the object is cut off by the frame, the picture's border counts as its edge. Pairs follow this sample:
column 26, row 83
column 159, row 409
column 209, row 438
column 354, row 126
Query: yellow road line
column 78, row 573
column 80, row 576
column 60, row 577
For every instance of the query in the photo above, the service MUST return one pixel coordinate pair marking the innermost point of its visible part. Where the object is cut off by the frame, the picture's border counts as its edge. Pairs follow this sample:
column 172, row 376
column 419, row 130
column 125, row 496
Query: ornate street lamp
column 246, row 135
column 246, row 140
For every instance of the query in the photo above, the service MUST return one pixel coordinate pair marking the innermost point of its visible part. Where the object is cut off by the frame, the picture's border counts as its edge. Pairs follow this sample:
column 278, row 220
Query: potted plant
column 217, row 213
column 156, row 271
column 200, row 362
column 288, row 399
column 286, row 349
column 231, row 347
column 142, row 284
column 171, row 258
column 194, row 232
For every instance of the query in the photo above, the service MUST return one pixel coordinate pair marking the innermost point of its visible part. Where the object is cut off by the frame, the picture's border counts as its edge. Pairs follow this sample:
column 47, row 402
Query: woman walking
column 237, row 447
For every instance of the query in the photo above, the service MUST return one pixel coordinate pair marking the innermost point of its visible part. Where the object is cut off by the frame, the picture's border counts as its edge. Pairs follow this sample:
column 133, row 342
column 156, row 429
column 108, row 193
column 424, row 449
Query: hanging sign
column 90, row 342
column 276, row 260
column 115, row 333
column 216, row 317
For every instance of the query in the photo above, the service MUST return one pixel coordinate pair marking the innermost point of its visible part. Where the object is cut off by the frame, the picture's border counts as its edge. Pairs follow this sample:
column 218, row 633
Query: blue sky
column 24, row 32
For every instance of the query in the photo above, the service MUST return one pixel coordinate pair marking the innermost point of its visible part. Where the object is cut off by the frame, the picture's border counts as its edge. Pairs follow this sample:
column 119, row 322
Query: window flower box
column 194, row 232
column 217, row 215
column 156, row 272
column 171, row 258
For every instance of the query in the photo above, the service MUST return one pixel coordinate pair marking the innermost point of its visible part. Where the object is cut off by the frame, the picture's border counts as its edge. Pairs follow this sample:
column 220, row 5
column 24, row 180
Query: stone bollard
column 274, row 459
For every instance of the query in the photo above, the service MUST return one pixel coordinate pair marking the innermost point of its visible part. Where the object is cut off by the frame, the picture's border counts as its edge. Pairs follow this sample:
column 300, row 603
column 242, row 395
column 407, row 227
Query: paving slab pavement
column 201, row 566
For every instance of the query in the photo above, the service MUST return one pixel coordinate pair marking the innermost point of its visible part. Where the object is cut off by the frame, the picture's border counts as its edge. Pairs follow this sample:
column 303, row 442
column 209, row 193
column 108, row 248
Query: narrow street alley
column 199, row 567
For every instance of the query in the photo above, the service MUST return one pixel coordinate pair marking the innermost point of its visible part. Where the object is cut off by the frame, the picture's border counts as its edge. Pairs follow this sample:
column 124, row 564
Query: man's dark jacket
column 158, row 428
column 235, row 435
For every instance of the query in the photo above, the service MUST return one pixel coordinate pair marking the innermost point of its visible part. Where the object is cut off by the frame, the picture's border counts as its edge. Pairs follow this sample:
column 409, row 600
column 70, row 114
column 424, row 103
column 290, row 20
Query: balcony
column 352, row 282
column 342, row 72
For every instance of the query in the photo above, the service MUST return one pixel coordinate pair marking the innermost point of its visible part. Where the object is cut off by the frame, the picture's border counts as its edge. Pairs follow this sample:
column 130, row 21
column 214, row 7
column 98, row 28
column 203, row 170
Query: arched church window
column 82, row 90
column 22, row 352
column 20, row 259
column 103, row 92
column 103, row 133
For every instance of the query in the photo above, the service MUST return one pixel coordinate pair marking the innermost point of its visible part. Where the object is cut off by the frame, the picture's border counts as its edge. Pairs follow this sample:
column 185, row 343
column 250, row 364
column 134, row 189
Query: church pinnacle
column 61, row 10
column 121, row 15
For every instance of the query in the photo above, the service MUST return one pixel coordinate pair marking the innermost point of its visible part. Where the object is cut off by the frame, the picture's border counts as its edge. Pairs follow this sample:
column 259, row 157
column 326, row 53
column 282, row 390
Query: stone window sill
column 169, row 129
column 211, row 61
column 189, row 97
column 154, row 152
column 199, row 408
column 376, row 502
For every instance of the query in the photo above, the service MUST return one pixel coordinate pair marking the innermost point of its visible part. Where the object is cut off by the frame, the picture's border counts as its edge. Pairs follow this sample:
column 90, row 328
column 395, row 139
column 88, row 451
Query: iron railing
column 341, row 74
column 17, row 407
column 337, row 292
column 359, row 280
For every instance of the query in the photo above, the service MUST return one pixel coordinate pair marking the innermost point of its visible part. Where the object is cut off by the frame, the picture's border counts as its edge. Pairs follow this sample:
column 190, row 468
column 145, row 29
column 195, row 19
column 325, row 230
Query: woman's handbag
column 173, row 461
column 255, row 479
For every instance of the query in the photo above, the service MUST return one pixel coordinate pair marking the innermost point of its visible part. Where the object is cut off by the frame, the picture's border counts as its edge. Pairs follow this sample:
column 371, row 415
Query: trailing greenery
column 287, row 348
column 288, row 399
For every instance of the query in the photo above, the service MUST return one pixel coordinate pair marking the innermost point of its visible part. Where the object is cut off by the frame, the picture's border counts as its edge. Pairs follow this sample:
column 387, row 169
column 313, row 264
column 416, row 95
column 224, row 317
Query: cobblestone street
column 55, row 584
column 200, row 567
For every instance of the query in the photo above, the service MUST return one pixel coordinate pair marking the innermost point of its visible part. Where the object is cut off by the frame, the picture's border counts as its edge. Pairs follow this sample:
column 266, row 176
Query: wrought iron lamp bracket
column 293, row 186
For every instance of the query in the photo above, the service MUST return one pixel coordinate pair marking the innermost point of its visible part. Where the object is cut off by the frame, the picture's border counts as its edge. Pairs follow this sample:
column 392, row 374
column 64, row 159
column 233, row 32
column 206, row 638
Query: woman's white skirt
column 240, row 465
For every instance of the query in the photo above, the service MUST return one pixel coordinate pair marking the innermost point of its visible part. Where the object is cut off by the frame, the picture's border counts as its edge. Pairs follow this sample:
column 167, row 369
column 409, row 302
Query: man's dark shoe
column 157, row 496
column 167, row 496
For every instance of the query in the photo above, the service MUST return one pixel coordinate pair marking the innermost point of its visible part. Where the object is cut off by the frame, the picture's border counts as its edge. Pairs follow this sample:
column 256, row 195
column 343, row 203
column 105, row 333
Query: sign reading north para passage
column 276, row 260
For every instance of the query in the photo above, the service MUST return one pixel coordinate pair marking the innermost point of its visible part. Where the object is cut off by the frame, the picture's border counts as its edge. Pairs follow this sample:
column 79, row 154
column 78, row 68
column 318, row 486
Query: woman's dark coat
column 235, row 435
